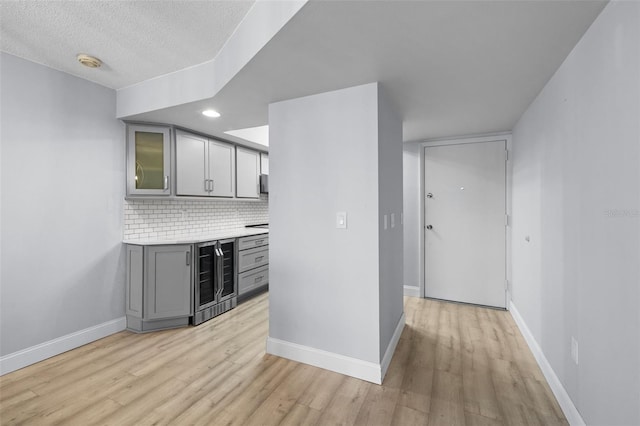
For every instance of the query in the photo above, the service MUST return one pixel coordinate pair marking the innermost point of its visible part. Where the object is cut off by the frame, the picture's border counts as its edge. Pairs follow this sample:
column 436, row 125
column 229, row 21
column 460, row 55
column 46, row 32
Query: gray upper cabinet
column 264, row 163
column 204, row 167
column 248, row 173
column 222, row 168
column 148, row 160
column 191, row 165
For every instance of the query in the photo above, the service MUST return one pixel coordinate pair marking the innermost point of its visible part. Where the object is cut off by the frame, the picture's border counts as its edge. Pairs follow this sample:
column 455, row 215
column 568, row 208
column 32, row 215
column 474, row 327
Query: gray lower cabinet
column 253, row 279
column 159, row 287
column 253, row 264
column 253, row 258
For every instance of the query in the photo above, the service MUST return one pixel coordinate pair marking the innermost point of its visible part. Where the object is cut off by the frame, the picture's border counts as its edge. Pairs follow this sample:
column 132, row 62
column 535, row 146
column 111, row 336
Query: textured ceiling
column 451, row 67
column 136, row 40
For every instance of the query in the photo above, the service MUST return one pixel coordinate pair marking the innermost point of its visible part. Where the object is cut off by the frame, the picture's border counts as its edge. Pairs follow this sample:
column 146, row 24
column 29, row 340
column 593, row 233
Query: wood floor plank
column 277, row 405
column 513, row 398
column 378, row 406
column 416, row 389
column 130, row 413
column 447, row 401
column 448, row 356
column 479, row 393
column 540, row 393
column 403, row 416
column 322, row 390
column 345, row 405
column 91, row 413
column 245, row 399
column 397, row 368
column 301, row 415
column 454, row 364
column 474, row 419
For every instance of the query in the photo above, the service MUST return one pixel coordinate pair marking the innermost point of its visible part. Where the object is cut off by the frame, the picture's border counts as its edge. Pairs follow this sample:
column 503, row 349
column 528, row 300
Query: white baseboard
column 37, row 353
column 411, row 291
column 364, row 370
column 391, row 348
column 568, row 408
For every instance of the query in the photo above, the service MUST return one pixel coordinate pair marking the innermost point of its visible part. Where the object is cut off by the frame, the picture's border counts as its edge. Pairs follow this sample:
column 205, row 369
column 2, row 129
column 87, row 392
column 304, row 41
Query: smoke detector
column 89, row 61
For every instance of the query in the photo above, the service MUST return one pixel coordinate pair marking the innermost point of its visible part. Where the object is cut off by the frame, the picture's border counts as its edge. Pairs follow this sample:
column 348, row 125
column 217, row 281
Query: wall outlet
column 574, row 350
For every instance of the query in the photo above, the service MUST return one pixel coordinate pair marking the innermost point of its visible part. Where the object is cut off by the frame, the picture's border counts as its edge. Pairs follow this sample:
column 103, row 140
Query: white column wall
column 390, row 203
column 335, row 294
column 324, row 281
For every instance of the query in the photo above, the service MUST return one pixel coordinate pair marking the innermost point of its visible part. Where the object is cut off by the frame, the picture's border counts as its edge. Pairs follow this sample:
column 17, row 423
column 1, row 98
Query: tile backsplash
column 159, row 218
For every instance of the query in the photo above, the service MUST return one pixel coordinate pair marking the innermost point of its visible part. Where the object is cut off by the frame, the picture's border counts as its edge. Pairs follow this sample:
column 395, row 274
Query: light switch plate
column 385, row 221
column 341, row 220
column 393, row 220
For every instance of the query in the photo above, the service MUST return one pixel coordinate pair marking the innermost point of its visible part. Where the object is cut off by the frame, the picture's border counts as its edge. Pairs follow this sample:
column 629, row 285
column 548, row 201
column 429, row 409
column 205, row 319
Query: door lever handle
column 429, row 227
column 429, row 195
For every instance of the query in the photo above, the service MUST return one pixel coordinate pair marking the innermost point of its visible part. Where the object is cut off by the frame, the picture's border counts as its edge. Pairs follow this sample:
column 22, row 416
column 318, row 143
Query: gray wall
column 323, row 281
column 412, row 196
column 390, row 202
column 576, row 177
column 62, row 190
column 326, row 283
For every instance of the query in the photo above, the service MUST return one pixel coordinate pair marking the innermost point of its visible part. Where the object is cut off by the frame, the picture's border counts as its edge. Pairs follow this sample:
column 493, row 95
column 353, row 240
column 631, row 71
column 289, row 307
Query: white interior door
column 465, row 219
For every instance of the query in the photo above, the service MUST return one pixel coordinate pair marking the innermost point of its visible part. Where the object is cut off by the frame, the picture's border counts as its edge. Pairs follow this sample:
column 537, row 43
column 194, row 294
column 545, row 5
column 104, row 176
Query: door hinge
column 506, row 155
column 506, row 220
column 506, row 285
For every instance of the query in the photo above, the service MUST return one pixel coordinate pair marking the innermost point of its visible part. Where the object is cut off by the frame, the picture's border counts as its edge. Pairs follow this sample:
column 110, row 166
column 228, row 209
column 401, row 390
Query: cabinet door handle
column 258, row 279
column 259, row 258
column 220, row 272
column 166, row 183
column 188, row 258
column 258, row 242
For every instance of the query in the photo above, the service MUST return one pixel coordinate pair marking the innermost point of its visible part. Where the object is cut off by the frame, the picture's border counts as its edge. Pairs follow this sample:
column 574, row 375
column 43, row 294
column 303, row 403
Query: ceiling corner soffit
column 203, row 81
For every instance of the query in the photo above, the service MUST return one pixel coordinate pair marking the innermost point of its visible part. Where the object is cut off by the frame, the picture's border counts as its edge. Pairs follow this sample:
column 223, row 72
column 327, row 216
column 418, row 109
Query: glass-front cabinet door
column 148, row 160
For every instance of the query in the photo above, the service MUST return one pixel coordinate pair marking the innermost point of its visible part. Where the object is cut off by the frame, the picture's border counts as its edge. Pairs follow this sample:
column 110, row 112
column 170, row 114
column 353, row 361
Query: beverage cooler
column 215, row 283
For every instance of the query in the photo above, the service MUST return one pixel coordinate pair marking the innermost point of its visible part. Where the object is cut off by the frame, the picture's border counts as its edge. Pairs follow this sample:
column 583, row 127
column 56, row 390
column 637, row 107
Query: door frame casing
column 508, row 185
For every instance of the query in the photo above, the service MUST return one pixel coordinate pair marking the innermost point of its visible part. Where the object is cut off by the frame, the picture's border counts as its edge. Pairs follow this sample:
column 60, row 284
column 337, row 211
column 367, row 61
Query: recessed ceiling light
column 211, row 113
column 88, row 60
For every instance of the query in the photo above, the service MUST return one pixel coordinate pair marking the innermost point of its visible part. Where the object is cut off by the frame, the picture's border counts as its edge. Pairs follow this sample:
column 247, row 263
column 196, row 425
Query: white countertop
column 196, row 238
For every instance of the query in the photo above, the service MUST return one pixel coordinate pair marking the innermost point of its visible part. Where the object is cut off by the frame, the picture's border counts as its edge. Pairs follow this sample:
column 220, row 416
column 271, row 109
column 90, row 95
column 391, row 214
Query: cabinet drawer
column 253, row 241
column 253, row 258
column 253, row 279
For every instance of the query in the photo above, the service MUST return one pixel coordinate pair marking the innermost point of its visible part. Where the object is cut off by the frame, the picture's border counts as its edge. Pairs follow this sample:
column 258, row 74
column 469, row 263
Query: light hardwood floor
column 454, row 365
